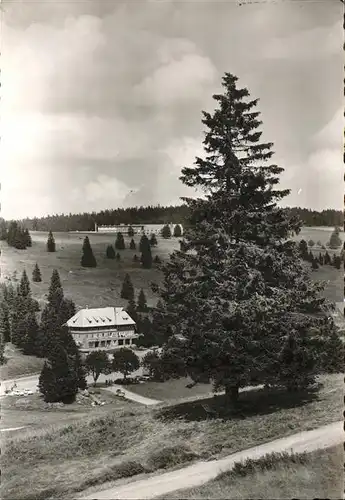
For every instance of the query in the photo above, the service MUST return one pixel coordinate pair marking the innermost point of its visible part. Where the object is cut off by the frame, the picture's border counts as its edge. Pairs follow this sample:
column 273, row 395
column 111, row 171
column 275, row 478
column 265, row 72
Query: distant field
column 18, row 365
column 101, row 286
column 97, row 287
column 318, row 476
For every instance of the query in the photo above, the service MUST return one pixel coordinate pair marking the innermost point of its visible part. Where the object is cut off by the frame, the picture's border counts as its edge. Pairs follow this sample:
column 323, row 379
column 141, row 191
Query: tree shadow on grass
column 253, row 402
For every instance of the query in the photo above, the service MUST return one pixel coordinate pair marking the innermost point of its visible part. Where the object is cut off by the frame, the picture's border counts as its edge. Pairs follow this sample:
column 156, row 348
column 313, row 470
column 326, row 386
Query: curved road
column 202, row 472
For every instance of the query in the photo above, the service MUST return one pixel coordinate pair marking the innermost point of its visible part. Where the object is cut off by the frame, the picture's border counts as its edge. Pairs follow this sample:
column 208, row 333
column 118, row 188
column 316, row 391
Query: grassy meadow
column 98, row 287
column 101, row 286
column 303, row 476
column 65, row 458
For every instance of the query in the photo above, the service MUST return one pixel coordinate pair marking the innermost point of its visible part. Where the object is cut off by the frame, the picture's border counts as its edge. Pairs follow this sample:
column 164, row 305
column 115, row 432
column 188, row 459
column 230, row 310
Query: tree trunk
column 232, row 394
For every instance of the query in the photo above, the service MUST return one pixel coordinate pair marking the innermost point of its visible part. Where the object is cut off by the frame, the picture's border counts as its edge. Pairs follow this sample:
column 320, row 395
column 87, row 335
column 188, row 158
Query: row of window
column 99, row 335
column 106, row 343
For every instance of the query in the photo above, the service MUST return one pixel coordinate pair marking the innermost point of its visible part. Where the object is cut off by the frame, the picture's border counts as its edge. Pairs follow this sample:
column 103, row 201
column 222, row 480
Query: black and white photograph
column 172, row 319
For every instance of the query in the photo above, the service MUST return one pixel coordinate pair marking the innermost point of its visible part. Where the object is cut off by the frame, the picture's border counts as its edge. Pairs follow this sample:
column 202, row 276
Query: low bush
column 170, row 456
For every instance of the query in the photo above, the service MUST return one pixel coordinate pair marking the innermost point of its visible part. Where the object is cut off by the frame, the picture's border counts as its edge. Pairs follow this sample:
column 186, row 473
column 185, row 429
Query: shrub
column 169, row 456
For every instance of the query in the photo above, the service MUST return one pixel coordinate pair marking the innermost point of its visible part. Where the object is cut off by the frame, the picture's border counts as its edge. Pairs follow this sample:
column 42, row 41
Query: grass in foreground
column 59, row 462
column 276, row 476
column 18, row 365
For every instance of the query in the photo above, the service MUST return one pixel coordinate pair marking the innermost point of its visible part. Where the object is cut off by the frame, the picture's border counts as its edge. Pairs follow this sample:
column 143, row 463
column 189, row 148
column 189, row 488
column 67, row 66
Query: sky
column 101, row 100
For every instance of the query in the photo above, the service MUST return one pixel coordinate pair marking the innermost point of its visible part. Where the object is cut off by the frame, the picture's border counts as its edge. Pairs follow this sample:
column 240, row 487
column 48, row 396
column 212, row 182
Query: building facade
column 107, row 328
column 137, row 228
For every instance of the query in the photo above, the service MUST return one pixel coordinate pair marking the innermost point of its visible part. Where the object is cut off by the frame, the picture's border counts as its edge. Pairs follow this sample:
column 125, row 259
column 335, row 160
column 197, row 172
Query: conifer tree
column 157, row 260
column 153, row 240
column 5, row 327
column 88, row 259
column 118, row 256
column 314, row 264
column 327, row 258
column 27, row 333
column 27, row 238
column 132, row 245
column 177, row 231
column 130, row 232
column 120, row 242
column 146, row 255
column 238, row 277
column 2, row 351
column 131, row 309
column 55, row 284
column 127, row 291
column 303, row 248
column 24, row 286
column 335, row 241
column 36, row 274
column 337, row 262
column 311, row 243
column 142, row 302
column 58, row 381
column 110, row 252
column 51, row 247
column 166, row 231
column 321, row 260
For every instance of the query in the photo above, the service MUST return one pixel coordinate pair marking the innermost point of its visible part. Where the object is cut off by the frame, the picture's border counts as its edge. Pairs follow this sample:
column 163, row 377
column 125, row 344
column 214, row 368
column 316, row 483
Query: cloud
column 108, row 95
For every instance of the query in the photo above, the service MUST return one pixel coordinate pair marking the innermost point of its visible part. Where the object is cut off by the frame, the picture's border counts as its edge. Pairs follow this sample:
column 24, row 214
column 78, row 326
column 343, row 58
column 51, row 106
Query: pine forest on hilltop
column 155, row 215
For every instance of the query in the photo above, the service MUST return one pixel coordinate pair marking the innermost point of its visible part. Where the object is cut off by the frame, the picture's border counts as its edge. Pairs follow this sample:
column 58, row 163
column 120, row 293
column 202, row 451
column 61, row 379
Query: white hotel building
column 107, row 328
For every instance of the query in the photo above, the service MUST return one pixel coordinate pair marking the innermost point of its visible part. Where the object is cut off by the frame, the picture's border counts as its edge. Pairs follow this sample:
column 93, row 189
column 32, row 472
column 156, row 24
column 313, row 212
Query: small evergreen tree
column 166, row 231
column 125, row 361
column 314, row 264
column 27, row 238
column 51, row 247
column 127, row 291
column 5, row 327
column 110, row 253
column 327, row 258
column 311, row 243
column 130, row 232
column 311, row 256
column 2, row 351
column 153, row 240
column 335, row 241
column 97, row 362
column 132, row 245
column 24, row 286
column 146, row 255
column 337, row 262
column 118, row 256
column 131, row 310
column 120, row 242
column 58, row 381
column 36, row 274
column 88, row 259
column 177, row 231
column 319, row 244
column 142, row 302
column 55, row 284
column 320, row 259
column 303, row 249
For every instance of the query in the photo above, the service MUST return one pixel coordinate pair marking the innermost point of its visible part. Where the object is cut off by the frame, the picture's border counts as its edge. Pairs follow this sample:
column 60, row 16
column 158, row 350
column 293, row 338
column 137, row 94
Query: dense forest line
column 155, row 215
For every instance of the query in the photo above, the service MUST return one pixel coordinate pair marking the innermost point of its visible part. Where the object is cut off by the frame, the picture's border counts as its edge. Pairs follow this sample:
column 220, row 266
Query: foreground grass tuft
column 276, row 476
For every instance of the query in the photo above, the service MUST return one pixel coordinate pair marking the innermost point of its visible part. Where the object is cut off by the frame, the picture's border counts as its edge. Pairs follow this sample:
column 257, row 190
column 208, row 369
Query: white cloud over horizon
column 101, row 102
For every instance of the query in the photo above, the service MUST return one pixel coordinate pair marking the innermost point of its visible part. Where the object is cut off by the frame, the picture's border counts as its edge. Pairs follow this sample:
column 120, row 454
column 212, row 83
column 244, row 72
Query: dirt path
column 132, row 396
column 202, row 472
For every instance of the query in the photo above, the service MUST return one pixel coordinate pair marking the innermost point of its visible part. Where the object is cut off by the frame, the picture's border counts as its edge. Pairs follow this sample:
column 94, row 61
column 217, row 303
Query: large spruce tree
column 120, row 242
column 87, row 259
column 237, row 279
